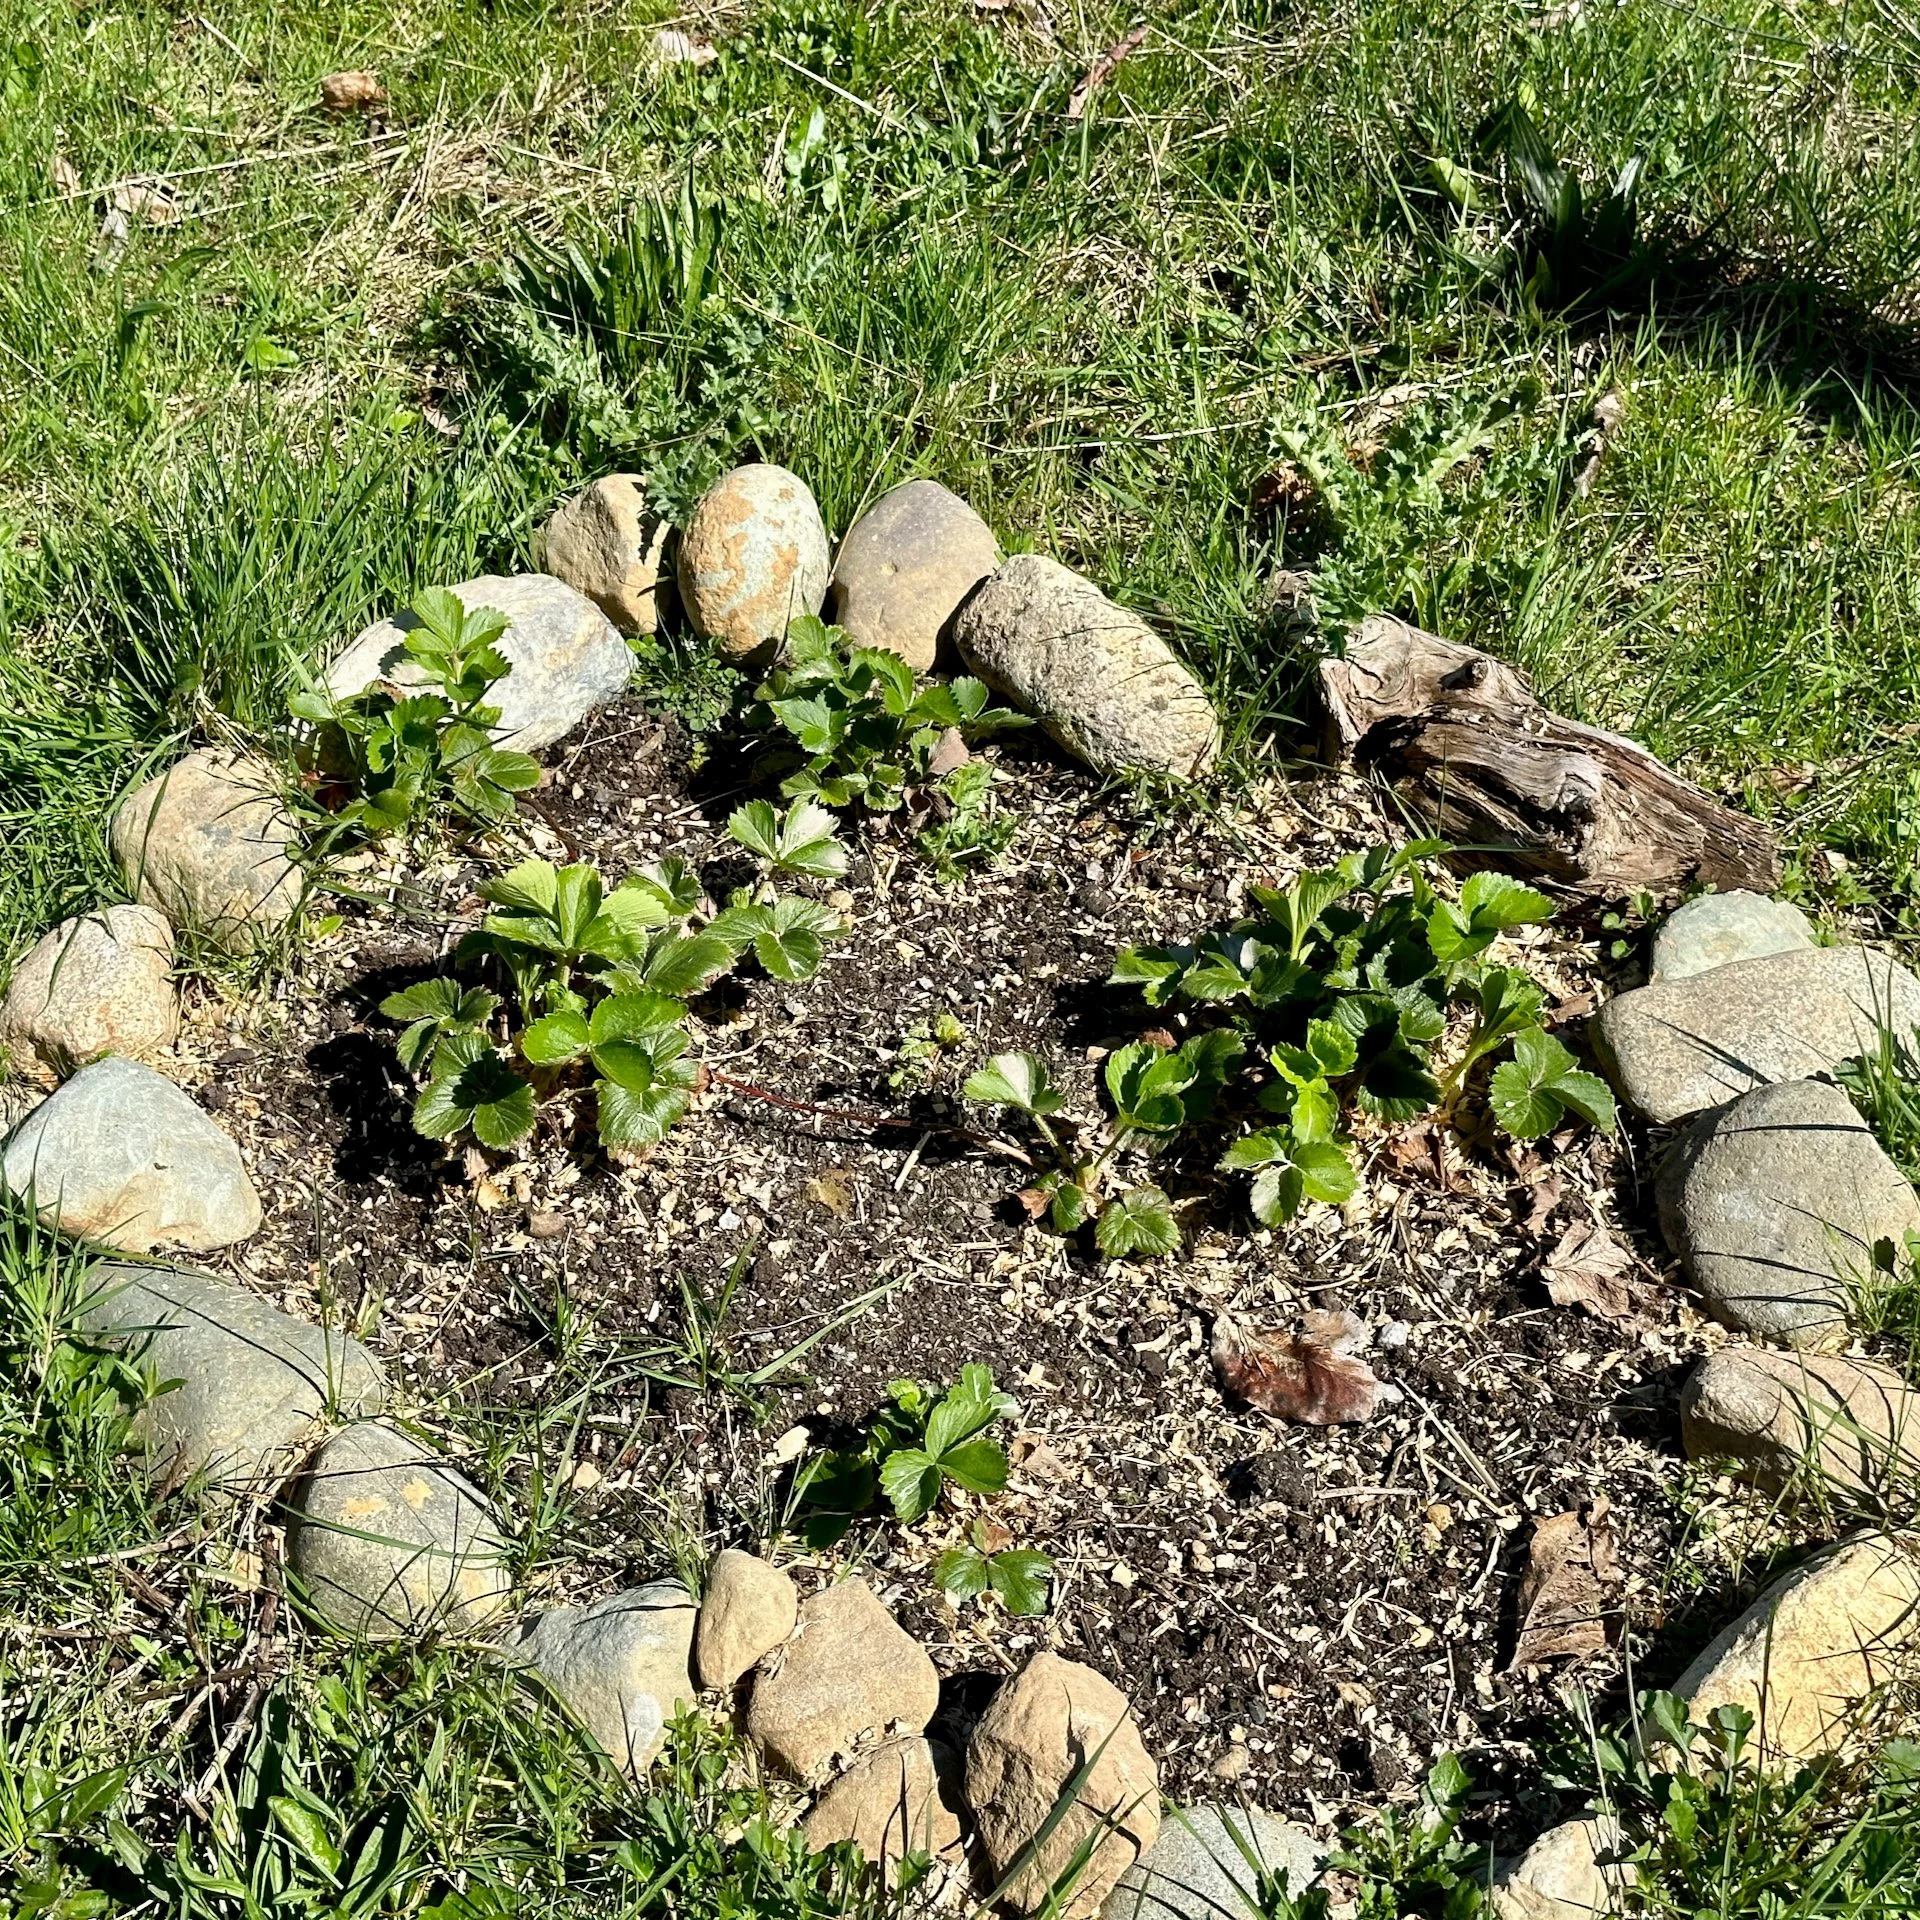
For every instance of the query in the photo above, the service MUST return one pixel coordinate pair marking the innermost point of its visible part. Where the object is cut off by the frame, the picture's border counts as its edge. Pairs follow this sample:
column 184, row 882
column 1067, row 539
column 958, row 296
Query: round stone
column 101, row 982
column 906, row 565
column 753, row 559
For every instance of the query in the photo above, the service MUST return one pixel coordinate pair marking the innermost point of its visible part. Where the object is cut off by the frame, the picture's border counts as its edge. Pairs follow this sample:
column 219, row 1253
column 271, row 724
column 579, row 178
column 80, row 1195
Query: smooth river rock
column 1814, row 1647
column 753, row 559
column 120, row 1156
column 563, row 657
column 906, row 565
column 386, row 1538
column 1719, row 928
column 256, row 1387
column 896, row 1800
column 1560, row 1877
column 1097, row 677
column 1775, row 1202
column 605, row 544
column 747, row 1610
column 621, row 1665
column 1679, row 1047
column 208, row 844
column 849, row 1669
column 1810, row 1421
column 1038, row 1730
column 1198, row 1868
column 101, row 982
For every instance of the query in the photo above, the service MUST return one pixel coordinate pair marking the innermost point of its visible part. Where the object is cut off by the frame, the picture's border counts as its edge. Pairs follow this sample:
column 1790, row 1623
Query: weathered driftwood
column 1466, row 741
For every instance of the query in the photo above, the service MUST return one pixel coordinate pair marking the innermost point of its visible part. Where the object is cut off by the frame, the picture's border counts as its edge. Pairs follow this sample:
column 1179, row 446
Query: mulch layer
column 1309, row 1614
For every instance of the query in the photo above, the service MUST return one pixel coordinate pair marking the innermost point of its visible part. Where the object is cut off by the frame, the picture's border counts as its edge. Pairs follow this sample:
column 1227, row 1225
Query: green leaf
column 681, row 964
column 630, row 1119
column 1590, row 1097
column 557, row 1037
column 533, row 887
column 804, row 841
column 308, row 1831
column 1138, row 1221
column 439, row 999
column 961, row 1573
column 1492, row 899
column 1261, row 1149
column 1019, row 1576
column 911, row 1480
column 791, row 946
column 980, row 1466
column 1333, row 1049
column 1530, row 1093
column 499, row 1103
column 757, row 827
column 440, row 611
column 634, row 1016
column 1017, row 1080
column 1072, row 1206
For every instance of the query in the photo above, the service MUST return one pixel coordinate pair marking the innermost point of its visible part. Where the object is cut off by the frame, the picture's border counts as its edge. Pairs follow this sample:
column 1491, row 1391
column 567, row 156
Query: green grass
column 872, row 242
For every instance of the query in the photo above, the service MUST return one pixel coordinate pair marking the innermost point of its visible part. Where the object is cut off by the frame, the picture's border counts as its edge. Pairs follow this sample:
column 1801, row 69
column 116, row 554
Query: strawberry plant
column 597, row 982
column 400, row 759
column 1344, row 985
column 1017, row 1575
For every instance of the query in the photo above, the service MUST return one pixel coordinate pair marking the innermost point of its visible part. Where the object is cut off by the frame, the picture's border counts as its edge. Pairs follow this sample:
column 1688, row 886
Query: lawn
column 1294, row 285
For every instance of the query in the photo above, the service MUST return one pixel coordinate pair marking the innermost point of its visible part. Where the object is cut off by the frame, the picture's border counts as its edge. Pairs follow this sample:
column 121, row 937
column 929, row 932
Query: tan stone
column 1560, row 1876
column 1816, row 1646
column 1036, row 1734
column 101, row 982
column 746, row 1611
column 209, row 845
column 904, row 568
column 889, row 1803
column 849, row 1669
column 605, row 544
column 1852, row 1424
column 753, row 559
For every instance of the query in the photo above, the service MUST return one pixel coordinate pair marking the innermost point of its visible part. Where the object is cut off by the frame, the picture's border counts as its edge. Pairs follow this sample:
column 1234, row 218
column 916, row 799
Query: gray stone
column 621, row 1665
column 101, row 982
column 1097, row 677
column 386, row 1538
column 209, row 845
column 122, row 1157
column 1198, row 1868
column 1719, row 928
column 1681, row 1046
column 1817, row 1649
column 563, row 657
column 1803, row 1420
column 753, row 559
column 255, row 1386
column 1774, row 1203
column 746, row 1611
column 906, row 565
column 849, row 1669
column 605, row 544
column 1560, row 1877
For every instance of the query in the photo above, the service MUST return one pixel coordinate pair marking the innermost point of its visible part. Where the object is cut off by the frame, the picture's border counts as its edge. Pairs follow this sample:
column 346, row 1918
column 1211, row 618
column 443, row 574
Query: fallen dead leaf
column 949, row 752
column 673, row 48
column 1571, row 1569
column 146, row 201
column 354, row 91
column 1101, row 71
column 1538, row 1206
column 833, row 1189
column 1589, row 1268
column 66, row 176
column 1294, row 1376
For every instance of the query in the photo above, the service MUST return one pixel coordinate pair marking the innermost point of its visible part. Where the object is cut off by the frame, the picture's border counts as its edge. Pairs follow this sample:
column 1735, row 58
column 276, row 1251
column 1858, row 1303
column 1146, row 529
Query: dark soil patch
column 1312, row 1614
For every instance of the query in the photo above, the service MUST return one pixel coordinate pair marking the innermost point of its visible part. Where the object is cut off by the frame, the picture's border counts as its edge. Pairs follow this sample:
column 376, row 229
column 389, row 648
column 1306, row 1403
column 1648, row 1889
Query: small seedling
column 968, row 826
column 1019, row 1575
column 802, row 840
column 404, row 760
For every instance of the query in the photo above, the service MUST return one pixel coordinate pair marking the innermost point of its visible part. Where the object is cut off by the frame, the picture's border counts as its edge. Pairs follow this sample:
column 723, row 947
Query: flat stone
column 1682, row 1046
column 621, row 1665
column 1774, row 1203
column 753, row 559
column 1719, row 928
column 101, row 982
column 208, row 844
column 1815, row 1645
column 906, row 565
column 1039, row 1729
column 1096, row 676
column 563, row 657
column 1803, row 1420
column 896, row 1800
column 255, row 1386
column 747, row 1610
column 1198, row 1868
column 387, row 1538
column 120, row 1156
column 1560, row 1876
column 605, row 544
column 849, row 1669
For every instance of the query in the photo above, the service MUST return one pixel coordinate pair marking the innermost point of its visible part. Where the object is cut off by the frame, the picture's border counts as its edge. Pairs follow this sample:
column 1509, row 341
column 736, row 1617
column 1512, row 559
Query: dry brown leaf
column 1293, row 1376
column 833, row 1189
column 1589, row 1268
column 673, row 48
column 1538, row 1206
column 1101, row 71
column 354, row 91
column 146, row 201
column 949, row 752
column 1571, row 1568
column 66, row 177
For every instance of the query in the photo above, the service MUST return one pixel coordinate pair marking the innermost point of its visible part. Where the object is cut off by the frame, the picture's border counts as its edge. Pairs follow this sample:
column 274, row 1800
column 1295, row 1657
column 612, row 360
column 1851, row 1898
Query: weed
column 968, row 825
column 401, row 761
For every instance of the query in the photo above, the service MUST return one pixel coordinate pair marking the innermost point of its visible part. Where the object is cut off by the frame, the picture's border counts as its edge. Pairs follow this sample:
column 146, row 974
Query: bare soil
column 1309, row 1614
